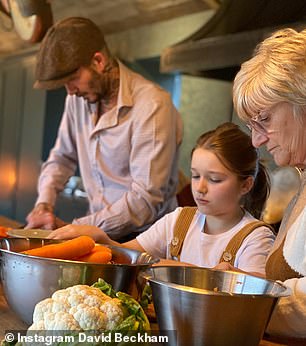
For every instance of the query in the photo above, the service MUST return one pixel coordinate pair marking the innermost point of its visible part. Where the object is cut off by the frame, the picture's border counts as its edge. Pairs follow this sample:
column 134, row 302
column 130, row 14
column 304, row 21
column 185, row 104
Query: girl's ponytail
column 255, row 200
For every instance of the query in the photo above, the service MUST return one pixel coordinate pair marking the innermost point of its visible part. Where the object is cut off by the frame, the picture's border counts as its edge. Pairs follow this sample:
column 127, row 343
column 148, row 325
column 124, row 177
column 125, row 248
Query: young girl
column 228, row 185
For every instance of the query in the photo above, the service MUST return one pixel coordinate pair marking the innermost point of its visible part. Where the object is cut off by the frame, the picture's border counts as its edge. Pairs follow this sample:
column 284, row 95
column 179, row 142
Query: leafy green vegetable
column 137, row 319
column 7, row 343
column 105, row 288
column 146, row 297
column 134, row 308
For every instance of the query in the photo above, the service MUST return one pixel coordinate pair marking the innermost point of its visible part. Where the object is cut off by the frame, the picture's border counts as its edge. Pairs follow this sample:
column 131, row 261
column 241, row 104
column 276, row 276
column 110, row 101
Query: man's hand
column 42, row 216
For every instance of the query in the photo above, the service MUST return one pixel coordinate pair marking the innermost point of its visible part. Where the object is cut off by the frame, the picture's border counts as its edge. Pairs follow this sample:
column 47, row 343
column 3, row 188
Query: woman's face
column 285, row 137
column 216, row 190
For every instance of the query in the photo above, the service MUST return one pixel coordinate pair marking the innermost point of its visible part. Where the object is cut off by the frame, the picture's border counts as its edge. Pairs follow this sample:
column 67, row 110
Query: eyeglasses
column 260, row 124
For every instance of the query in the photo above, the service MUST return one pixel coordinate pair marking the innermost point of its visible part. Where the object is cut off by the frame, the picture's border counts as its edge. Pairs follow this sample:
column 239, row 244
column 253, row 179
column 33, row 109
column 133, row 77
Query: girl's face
column 216, row 190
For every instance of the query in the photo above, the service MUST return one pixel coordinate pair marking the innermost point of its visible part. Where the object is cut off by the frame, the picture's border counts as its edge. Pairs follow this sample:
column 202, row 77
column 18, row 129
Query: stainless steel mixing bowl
column 27, row 279
column 210, row 307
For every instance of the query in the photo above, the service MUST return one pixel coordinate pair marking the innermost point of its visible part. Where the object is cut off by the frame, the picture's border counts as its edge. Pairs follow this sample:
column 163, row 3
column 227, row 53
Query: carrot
column 101, row 248
column 99, row 254
column 69, row 249
column 3, row 231
column 96, row 257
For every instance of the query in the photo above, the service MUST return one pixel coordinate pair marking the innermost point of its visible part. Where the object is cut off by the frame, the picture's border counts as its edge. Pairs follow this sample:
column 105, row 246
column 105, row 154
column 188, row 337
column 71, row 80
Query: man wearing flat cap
column 122, row 130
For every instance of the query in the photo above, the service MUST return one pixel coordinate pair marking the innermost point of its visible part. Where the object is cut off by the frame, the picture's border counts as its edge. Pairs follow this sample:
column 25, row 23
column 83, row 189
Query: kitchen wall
column 21, row 124
column 205, row 104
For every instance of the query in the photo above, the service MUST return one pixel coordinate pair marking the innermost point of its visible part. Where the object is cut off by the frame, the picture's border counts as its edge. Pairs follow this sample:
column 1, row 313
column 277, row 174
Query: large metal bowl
column 210, row 307
column 27, row 279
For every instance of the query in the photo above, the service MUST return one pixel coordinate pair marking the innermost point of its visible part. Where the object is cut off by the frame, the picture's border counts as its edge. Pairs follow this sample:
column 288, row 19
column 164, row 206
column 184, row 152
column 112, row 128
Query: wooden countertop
column 8, row 319
column 6, row 222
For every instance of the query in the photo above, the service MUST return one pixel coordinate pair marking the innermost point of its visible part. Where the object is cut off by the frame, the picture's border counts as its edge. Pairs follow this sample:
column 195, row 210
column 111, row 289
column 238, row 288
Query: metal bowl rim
column 71, row 262
column 203, row 291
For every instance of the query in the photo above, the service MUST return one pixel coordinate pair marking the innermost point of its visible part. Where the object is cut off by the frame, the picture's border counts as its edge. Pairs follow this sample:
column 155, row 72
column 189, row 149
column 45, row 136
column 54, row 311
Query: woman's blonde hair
column 276, row 73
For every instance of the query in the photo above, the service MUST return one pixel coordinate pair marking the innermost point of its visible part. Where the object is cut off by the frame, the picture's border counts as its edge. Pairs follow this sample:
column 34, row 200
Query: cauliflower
column 114, row 309
column 60, row 320
column 90, row 318
column 84, row 308
column 79, row 307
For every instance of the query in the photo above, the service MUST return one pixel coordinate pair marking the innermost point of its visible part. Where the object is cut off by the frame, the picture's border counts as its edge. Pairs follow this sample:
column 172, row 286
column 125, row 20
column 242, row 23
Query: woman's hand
column 72, row 231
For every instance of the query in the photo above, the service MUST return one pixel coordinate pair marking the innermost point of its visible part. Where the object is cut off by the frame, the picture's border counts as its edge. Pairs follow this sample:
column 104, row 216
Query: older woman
column 270, row 96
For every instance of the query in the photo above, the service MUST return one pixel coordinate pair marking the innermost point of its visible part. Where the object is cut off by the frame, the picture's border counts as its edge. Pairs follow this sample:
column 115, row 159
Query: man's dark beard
column 98, row 85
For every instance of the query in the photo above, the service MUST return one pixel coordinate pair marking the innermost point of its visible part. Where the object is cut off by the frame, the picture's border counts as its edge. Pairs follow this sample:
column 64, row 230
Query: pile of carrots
column 3, row 231
column 82, row 248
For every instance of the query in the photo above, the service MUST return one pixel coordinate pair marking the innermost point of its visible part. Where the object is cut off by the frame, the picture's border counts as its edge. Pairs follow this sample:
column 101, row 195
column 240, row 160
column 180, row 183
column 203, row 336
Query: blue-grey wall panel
column 31, row 140
column 11, row 108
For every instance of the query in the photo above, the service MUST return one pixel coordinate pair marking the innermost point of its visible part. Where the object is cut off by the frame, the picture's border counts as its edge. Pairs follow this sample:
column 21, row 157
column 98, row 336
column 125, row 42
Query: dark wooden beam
column 215, row 53
column 149, row 12
column 231, row 34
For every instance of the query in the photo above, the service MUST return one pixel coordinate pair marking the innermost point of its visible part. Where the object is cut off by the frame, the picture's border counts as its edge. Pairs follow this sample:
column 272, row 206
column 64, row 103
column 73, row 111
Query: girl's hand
column 169, row 262
column 72, row 231
column 226, row 266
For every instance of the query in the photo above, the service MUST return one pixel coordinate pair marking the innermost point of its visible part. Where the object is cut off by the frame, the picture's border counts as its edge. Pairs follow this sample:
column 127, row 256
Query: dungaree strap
column 180, row 230
column 229, row 254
